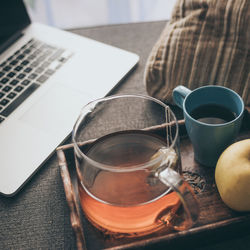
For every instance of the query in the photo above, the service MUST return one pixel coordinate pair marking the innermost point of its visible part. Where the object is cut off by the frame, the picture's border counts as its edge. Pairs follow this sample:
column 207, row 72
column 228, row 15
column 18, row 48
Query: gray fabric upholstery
column 38, row 216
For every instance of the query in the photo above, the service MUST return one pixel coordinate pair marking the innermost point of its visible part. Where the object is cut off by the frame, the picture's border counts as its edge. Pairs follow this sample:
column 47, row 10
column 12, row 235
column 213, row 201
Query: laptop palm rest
column 54, row 113
column 55, row 110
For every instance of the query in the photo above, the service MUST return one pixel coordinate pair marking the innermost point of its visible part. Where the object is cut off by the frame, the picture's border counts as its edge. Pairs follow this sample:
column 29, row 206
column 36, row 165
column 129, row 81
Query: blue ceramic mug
column 213, row 116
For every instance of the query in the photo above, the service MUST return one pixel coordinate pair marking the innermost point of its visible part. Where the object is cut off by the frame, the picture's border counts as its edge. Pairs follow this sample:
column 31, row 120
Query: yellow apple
column 232, row 176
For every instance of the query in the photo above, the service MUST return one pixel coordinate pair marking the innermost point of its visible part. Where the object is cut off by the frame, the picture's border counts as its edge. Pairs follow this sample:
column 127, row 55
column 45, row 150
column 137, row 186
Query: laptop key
column 26, row 93
column 49, row 72
column 36, row 44
column 14, row 62
column 35, row 63
column 11, row 74
column 27, row 51
column 18, row 68
column 20, row 57
column 31, row 57
column 11, row 95
column 3, row 64
column 10, row 58
column 6, row 89
column 41, row 58
column 39, row 70
column 17, row 52
column 18, row 88
column 28, row 69
column 45, row 64
column 25, row 82
column 1, row 119
column 32, row 76
column 42, row 78
column 4, row 102
column 37, row 52
column 14, row 82
column 31, row 40
column 7, row 68
column 24, row 46
column 56, row 55
column 25, row 62
column 21, row 76
column 4, row 80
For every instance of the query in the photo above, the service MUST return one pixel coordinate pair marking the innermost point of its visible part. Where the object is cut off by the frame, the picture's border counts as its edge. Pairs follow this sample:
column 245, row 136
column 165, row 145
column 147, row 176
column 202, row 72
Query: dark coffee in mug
column 213, row 114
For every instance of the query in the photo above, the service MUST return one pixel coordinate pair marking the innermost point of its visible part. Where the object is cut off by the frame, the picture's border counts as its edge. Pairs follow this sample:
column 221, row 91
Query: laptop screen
column 13, row 18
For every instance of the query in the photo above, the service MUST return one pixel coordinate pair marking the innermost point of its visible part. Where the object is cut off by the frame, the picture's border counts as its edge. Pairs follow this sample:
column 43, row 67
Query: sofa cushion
column 205, row 42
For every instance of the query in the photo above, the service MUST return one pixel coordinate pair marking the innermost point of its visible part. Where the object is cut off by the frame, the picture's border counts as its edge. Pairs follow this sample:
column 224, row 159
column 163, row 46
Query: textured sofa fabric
column 205, row 42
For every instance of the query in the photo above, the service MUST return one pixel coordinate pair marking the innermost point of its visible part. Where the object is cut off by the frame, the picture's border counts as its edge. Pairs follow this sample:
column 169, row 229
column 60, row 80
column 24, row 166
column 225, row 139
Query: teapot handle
column 186, row 194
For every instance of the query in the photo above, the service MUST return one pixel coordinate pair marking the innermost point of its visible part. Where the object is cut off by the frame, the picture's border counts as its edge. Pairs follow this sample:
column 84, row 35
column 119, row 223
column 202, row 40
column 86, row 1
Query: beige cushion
column 205, row 42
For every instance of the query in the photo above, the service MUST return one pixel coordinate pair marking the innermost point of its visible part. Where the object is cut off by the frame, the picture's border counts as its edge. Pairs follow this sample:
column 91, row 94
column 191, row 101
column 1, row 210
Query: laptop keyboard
column 25, row 71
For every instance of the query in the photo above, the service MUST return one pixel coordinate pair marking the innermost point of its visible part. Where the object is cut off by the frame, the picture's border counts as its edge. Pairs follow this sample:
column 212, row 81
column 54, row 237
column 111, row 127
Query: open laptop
column 46, row 76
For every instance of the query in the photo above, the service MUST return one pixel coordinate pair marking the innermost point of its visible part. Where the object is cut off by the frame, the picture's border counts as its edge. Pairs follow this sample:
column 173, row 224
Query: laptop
column 46, row 76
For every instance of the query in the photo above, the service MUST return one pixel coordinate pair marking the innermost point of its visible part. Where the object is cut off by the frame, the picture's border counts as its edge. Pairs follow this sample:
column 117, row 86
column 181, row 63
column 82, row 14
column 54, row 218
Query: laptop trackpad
column 56, row 111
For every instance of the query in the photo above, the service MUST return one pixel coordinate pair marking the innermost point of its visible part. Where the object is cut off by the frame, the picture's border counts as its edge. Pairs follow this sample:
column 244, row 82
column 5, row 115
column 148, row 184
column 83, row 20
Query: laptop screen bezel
column 14, row 19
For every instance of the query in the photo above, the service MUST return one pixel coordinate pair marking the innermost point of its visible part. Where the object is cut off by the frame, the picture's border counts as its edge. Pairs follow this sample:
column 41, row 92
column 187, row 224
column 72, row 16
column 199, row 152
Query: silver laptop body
column 29, row 133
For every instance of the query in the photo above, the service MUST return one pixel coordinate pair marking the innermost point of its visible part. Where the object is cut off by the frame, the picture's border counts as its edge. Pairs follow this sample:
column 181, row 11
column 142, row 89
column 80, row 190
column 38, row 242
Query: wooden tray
column 216, row 220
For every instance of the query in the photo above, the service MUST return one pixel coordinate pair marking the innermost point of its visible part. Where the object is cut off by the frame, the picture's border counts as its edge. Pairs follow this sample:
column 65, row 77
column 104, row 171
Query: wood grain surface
column 216, row 219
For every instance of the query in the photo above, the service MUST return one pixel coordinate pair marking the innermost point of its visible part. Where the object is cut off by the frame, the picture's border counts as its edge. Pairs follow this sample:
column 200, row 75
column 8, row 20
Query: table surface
column 38, row 216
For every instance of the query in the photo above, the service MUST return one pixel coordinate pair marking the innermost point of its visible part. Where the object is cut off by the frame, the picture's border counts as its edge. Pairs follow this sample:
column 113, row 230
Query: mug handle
column 179, row 95
column 186, row 194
